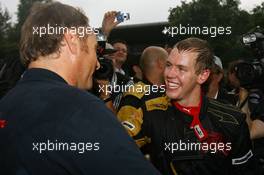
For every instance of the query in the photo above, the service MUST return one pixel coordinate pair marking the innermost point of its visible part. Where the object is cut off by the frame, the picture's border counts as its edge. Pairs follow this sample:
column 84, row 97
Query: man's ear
column 71, row 42
column 203, row 76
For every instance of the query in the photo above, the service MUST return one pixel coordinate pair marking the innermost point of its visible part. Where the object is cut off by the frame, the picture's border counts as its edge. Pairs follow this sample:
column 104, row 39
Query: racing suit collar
column 196, row 112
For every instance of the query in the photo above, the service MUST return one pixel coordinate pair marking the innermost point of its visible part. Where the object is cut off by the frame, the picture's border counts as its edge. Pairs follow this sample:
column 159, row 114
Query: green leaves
column 10, row 33
column 219, row 13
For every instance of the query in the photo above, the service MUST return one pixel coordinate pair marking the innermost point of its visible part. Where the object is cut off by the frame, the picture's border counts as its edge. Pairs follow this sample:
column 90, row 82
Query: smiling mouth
column 172, row 85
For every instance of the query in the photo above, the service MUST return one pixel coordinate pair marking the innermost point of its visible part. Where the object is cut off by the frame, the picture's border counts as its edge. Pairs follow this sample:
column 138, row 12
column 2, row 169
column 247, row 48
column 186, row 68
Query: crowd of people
column 174, row 115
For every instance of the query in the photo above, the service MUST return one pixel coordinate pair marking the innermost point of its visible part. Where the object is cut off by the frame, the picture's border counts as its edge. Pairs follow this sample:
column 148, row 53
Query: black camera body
column 251, row 74
column 106, row 70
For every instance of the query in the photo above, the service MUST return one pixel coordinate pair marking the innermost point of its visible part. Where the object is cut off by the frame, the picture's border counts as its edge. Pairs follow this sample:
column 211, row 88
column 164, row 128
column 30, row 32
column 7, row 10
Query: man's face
column 121, row 54
column 180, row 76
column 88, row 63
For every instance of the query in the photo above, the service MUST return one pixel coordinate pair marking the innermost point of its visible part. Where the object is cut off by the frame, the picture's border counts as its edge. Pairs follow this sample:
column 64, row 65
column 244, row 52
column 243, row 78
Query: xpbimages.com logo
column 197, row 146
column 146, row 89
column 211, row 31
column 56, row 145
column 81, row 31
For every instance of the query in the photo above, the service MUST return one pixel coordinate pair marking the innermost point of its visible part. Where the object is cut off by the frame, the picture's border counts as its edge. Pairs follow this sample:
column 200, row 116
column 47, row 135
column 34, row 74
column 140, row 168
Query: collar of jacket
column 39, row 74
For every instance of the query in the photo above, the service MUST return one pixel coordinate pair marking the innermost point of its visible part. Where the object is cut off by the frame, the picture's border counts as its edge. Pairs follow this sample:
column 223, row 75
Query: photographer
column 111, row 74
column 256, row 105
column 250, row 101
column 239, row 91
column 250, row 76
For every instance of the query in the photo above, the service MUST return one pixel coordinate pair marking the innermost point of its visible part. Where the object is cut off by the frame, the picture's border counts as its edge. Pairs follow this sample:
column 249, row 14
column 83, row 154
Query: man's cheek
column 120, row 55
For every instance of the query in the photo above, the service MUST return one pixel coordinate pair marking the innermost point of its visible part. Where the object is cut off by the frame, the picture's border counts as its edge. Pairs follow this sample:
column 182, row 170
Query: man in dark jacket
column 48, row 123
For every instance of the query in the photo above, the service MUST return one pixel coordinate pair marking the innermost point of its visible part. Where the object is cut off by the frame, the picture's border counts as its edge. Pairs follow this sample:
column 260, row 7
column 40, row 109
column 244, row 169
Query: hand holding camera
column 112, row 19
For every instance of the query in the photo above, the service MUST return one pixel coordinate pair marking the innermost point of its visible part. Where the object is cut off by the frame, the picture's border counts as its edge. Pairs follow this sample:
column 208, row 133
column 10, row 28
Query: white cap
column 218, row 62
column 108, row 46
column 109, row 49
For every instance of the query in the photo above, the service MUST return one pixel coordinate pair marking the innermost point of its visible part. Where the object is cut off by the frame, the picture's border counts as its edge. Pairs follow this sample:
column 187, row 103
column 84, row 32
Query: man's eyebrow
column 168, row 62
column 178, row 65
column 181, row 66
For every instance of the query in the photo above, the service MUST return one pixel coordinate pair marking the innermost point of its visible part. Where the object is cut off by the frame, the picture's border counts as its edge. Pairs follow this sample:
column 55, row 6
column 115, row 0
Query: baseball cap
column 109, row 49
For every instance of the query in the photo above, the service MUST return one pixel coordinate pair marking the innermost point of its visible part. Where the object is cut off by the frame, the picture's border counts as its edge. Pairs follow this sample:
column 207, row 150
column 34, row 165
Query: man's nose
column 172, row 72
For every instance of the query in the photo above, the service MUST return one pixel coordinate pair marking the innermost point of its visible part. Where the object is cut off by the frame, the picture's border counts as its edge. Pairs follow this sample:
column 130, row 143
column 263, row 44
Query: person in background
column 119, row 57
column 119, row 80
column 140, row 95
column 134, row 69
column 149, row 93
column 213, row 87
column 251, row 101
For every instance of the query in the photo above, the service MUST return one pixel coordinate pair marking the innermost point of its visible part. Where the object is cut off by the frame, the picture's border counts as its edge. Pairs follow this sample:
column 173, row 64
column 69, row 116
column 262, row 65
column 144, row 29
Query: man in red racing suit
column 192, row 134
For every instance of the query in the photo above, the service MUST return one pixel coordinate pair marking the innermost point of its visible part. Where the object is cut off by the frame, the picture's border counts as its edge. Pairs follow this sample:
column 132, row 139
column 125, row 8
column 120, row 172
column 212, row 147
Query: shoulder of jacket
column 225, row 113
column 137, row 90
column 158, row 103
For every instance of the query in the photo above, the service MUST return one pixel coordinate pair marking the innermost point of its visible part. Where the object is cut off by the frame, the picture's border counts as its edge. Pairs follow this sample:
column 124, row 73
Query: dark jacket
column 51, row 128
column 164, row 129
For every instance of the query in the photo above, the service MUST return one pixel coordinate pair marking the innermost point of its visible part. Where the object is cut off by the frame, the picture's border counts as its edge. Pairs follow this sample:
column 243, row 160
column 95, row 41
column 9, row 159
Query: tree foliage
column 258, row 15
column 6, row 47
column 195, row 13
column 10, row 34
column 4, row 23
column 219, row 13
column 23, row 11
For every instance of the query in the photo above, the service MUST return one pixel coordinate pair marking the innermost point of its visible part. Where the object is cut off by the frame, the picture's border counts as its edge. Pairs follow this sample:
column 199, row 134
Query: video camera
column 106, row 70
column 251, row 74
